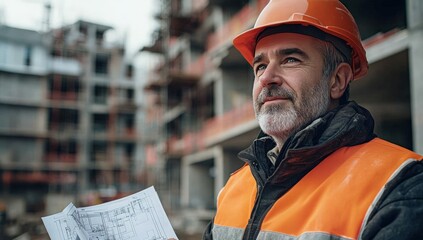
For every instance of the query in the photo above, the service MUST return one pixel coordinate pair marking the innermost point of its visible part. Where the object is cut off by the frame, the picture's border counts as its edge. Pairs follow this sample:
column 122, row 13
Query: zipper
column 252, row 227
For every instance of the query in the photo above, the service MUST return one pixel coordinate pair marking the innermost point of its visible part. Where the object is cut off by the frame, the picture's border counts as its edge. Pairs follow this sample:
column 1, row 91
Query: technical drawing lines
column 122, row 222
column 67, row 230
column 139, row 216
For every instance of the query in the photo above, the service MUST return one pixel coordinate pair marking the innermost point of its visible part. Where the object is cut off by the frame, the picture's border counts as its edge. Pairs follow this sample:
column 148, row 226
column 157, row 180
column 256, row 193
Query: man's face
column 288, row 89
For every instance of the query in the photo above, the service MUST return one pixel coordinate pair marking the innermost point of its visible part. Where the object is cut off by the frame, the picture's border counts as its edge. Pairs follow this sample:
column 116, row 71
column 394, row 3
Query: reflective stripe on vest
column 330, row 202
column 236, row 233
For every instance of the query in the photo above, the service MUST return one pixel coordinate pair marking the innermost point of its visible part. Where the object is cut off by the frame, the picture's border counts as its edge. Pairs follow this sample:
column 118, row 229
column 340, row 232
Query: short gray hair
column 331, row 59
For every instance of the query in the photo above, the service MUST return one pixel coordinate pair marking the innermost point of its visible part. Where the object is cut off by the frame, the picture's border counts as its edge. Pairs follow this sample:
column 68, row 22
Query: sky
column 132, row 20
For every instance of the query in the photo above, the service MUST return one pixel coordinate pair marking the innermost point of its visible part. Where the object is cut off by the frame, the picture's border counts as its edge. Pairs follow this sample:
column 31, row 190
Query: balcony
column 183, row 24
column 197, row 67
column 38, row 177
column 65, row 66
column 61, row 157
column 177, row 77
column 155, row 78
column 23, row 69
column 63, row 131
column 188, row 22
column 23, row 133
column 189, row 143
column 64, row 96
column 239, row 23
column 219, row 129
column 221, row 125
column 125, row 105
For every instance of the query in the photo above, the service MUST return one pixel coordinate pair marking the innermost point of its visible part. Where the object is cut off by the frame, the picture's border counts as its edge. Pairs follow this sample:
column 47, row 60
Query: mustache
column 274, row 91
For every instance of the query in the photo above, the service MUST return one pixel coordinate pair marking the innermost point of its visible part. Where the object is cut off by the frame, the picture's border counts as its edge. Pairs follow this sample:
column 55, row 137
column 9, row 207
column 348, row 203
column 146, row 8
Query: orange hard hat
column 330, row 17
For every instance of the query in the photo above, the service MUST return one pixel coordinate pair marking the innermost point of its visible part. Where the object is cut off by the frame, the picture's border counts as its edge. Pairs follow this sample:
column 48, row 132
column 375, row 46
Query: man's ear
column 341, row 77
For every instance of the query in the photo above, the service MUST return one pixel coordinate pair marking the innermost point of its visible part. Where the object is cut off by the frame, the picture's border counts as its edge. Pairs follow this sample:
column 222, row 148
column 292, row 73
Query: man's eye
column 291, row 60
column 260, row 67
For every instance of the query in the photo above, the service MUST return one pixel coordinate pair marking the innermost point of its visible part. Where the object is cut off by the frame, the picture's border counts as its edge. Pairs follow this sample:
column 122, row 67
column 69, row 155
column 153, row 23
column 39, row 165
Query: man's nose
column 271, row 75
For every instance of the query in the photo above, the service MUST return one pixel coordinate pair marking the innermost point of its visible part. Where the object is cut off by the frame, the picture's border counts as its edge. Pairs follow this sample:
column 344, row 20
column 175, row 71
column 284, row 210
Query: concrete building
column 68, row 125
column 201, row 93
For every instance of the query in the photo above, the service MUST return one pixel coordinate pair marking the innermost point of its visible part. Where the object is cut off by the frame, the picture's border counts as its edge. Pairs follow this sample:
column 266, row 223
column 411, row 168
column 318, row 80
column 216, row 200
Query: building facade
column 68, row 125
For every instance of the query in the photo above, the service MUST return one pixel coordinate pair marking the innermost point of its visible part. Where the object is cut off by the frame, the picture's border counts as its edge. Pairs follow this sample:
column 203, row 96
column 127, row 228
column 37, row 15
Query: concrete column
column 415, row 27
column 219, row 92
column 85, row 128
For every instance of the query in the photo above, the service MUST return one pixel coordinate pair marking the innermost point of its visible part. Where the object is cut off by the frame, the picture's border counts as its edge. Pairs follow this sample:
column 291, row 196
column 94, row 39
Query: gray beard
column 280, row 121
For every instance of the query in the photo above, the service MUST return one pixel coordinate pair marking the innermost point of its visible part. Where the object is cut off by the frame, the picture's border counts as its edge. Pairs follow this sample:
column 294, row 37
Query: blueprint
column 139, row 216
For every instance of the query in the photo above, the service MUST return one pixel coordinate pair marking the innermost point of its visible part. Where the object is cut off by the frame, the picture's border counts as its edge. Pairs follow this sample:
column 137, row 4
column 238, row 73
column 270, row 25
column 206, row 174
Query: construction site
column 68, row 128
column 73, row 128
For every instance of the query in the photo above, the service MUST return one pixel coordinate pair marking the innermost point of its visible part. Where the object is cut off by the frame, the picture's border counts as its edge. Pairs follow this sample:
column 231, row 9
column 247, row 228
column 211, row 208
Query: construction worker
column 317, row 170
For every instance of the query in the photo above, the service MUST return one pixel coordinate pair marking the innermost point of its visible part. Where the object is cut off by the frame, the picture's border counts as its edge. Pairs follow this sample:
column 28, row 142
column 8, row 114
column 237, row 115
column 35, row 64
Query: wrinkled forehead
column 285, row 40
column 310, row 32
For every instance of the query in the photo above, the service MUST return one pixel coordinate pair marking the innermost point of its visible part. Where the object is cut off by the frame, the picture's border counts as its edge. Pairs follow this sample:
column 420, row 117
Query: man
column 317, row 170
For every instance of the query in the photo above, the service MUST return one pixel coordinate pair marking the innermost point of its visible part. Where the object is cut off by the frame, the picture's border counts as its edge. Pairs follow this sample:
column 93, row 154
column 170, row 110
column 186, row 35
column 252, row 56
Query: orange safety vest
column 332, row 200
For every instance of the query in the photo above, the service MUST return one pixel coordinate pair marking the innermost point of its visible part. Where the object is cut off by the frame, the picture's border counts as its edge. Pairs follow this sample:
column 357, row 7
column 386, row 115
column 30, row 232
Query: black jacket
column 397, row 215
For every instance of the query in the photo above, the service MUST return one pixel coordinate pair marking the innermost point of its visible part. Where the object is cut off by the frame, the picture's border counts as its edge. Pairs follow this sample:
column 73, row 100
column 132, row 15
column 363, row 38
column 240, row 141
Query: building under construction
column 200, row 93
column 68, row 125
